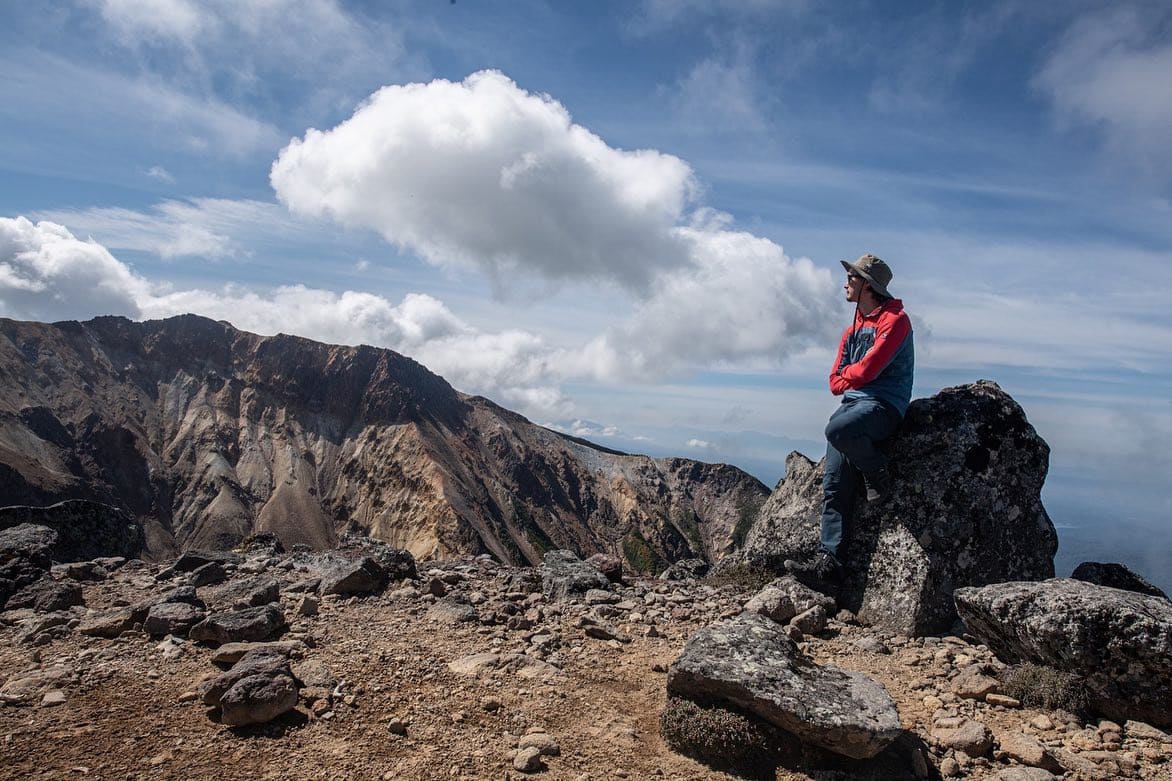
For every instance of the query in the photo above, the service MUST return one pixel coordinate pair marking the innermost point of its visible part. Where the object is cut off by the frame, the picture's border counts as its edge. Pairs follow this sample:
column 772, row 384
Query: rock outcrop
column 24, row 557
column 966, row 510
column 1119, row 642
column 749, row 661
column 207, row 436
column 85, row 530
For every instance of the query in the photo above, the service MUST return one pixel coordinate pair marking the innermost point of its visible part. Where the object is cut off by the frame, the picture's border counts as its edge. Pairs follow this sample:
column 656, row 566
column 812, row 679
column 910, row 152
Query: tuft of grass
column 724, row 738
column 1039, row 686
column 749, row 577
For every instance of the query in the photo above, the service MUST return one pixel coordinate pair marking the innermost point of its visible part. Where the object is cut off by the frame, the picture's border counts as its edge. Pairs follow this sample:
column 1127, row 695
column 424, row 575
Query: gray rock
column 802, row 597
column 46, row 596
column 971, row 737
column 252, row 624
column 257, row 699
column 686, row 569
column 209, row 574
column 257, row 662
column 749, row 661
column 811, row 621
column 110, row 623
column 1025, row 774
column 183, row 593
column 966, row 510
column 172, row 618
column 773, row 603
column 346, row 576
column 1115, row 576
column 191, row 560
column 24, row 556
column 81, row 570
column 1119, row 642
column 565, row 576
column 247, row 592
column 230, row 653
column 527, row 760
column 452, row 610
column 398, row 564
column 85, row 529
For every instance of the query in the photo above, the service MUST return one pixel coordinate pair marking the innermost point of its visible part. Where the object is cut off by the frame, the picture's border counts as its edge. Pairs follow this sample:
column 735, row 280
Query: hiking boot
column 822, row 573
column 878, row 485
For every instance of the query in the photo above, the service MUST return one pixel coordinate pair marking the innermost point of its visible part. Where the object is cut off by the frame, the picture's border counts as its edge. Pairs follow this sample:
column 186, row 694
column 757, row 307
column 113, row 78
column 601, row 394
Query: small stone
column 811, row 621
column 188, row 696
column 397, row 726
column 527, row 760
column 1026, row 750
column 542, row 741
column 53, row 698
column 1002, row 700
column 950, row 768
column 1042, row 722
column 490, row 704
column 972, row 738
column 1144, row 731
column 307, row 606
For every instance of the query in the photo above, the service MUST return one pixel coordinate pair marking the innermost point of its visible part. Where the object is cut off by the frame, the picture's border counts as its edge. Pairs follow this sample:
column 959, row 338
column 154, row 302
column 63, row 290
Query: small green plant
column 1039, row 686
column 749, row 577
column 724, row 738
column 640, row 555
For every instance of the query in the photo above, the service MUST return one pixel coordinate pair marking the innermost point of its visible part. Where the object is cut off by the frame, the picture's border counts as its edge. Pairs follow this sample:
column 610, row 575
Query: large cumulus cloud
column 483, row 174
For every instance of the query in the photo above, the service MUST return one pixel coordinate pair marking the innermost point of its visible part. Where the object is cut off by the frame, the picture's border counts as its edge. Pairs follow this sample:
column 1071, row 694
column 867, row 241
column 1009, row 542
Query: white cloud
column 202, row 227
column 160, row 173
column 48, row 274
column 721, row 95
column 699, row 443
column 1112, row 70
column 743, row 301
column 246, row 48
column 53, row 93
column 483, row 174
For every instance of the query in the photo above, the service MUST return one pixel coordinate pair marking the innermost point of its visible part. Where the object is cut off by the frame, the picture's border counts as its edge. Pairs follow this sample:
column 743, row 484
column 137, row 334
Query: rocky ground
column 464, row 672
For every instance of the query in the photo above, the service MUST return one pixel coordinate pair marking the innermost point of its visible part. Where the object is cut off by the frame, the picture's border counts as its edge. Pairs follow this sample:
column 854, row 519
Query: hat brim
column 878, row 288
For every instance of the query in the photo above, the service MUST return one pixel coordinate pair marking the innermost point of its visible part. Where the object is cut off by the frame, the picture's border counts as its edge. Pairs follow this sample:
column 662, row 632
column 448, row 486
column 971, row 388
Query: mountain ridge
column 206, row 434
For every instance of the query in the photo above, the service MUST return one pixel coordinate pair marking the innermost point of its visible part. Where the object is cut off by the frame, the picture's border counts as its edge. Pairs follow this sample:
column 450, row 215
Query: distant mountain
column 206, row 434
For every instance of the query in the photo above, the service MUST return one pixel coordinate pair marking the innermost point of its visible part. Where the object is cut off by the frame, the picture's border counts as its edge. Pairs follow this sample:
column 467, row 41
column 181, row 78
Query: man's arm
column 889, row 337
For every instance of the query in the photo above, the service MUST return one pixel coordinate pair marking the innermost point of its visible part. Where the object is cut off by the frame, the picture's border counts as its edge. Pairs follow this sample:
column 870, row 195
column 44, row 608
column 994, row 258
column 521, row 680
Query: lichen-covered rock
column 85, row 529
column 773, row 603
column 564, row 575
column 686, row 569
column 250, row 625
column 965, row 510
column 749, row 661
column 24, row 556
column 1115, row 576
column 1120, row 642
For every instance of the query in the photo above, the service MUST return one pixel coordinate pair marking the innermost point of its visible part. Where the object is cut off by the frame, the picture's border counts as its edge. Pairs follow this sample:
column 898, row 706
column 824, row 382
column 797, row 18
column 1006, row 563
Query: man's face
column 853, row 287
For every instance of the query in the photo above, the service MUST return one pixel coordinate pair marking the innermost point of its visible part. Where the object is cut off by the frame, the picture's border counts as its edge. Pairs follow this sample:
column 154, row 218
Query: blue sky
column 624, row 219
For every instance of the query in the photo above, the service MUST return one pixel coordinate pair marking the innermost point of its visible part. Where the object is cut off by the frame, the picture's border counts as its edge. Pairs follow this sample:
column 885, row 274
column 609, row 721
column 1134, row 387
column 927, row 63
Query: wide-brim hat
column 872, row 269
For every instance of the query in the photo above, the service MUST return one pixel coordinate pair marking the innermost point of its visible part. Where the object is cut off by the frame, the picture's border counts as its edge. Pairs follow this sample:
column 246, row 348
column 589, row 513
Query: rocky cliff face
column 206, row 434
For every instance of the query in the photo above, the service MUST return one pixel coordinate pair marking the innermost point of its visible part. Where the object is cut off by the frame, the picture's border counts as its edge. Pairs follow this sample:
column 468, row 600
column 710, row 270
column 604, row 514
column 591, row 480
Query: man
column 873, row 373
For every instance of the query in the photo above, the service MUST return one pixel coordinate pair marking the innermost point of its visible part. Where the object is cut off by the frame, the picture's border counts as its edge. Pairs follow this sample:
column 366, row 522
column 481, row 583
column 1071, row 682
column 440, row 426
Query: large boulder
column 85, row 529
column 1119, row 642
column 250, row 625
column 965, row 510
column 749, row 661
column 351, row 577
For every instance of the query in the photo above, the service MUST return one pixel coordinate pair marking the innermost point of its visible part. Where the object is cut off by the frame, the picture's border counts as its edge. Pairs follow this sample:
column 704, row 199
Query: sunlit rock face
column 966, row 510
column 204, row 434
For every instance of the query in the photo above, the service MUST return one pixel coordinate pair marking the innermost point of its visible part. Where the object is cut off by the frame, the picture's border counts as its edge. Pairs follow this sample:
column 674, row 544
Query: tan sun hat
column 872, row 269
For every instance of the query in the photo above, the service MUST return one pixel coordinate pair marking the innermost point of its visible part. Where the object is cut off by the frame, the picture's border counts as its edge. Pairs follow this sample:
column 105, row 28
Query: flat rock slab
column 172, row 618
column 251, row 625
column 1120, row 642
column 750, row 662
column 230, row 653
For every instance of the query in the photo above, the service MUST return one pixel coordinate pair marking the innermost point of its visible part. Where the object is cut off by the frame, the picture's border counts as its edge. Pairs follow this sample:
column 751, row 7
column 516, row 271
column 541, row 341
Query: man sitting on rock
column 873, row 374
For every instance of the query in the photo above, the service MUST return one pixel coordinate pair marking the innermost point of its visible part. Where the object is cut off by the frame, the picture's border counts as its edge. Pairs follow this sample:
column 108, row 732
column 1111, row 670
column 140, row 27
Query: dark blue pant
column 852, row 436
